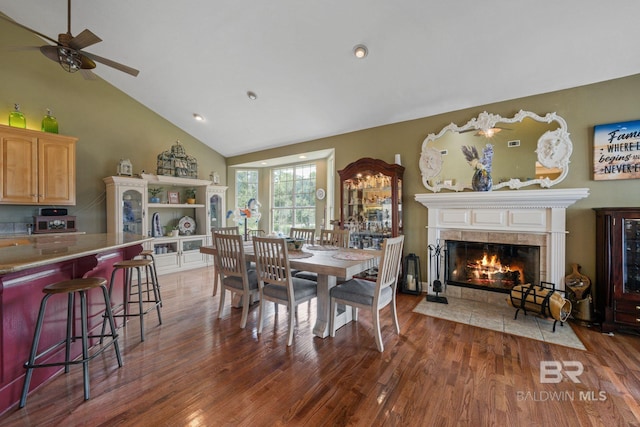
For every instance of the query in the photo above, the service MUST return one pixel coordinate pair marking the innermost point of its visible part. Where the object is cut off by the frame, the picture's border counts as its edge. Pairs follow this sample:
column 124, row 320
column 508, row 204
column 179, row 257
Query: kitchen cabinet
column 371, row 201
column 129, row 210
column 37, row 168
column 618, row 268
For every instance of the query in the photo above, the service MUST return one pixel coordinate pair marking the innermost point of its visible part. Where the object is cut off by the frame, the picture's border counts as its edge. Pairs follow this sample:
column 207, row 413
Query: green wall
column 109, row 126
column 582, row 108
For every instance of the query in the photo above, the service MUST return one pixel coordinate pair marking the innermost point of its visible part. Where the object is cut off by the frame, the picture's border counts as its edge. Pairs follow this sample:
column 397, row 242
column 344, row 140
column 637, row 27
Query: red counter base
column 20, row 296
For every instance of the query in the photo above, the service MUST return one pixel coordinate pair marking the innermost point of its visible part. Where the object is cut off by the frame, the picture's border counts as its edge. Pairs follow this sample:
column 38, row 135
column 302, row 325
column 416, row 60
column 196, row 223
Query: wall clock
column 320, row 193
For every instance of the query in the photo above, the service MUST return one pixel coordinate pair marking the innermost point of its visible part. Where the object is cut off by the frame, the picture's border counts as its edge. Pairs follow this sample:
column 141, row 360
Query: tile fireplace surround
column 532, row 217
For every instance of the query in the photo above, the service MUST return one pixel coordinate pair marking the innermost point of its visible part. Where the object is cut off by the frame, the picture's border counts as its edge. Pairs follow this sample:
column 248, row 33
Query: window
column 246, row 189
column 294, row 202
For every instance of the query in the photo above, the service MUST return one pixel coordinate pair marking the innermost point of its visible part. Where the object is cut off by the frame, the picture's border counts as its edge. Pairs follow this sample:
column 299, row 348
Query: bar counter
column 27, row 265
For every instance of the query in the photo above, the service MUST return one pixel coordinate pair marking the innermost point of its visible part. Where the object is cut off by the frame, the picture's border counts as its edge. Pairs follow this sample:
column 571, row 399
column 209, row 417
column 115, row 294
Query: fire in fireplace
column 491, row 266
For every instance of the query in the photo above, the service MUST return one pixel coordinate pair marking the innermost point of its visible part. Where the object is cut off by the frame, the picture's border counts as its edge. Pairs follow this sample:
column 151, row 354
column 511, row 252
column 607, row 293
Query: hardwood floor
column 196, row 370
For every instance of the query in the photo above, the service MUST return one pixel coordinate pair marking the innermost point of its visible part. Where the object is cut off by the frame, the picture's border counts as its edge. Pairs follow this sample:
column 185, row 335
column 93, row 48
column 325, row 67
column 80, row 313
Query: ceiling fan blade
column 88, row 74
column 84, row 39
column 28, row 29
column 50, row 52
column 112, row 64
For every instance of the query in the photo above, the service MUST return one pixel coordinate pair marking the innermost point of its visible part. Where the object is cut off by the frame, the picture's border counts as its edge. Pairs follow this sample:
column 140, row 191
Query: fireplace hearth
column 494, row 267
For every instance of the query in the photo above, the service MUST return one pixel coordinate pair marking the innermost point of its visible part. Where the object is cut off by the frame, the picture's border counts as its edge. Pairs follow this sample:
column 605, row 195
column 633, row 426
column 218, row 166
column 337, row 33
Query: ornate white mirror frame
column 553, row 150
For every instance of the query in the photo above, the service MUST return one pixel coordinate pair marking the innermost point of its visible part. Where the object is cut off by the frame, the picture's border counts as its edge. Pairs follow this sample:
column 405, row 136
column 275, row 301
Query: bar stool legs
column 151, row 271
column 152, row 297
column 70, row 287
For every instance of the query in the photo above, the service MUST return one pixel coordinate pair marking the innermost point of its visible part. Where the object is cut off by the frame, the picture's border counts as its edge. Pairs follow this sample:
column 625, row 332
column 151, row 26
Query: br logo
column 552, row 371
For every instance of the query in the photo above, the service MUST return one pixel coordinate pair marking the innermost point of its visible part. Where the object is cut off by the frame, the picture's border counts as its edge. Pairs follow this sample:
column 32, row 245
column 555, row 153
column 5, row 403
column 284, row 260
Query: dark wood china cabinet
column 618, row 267
column 371, row 201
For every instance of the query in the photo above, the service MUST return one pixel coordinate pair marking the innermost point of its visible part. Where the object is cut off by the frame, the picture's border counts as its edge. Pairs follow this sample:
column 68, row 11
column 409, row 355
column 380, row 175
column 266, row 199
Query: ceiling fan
column 67, row 50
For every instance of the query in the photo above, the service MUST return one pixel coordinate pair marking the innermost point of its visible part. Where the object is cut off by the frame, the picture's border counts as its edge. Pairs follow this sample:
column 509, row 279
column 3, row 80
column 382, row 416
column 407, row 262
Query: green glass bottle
column 49, row 123
column 16, row 118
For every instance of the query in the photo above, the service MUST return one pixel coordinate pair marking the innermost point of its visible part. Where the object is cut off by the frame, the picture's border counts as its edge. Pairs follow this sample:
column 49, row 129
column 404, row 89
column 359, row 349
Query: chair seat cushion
column 236, row 282
column 302, row 288
column 361, row 292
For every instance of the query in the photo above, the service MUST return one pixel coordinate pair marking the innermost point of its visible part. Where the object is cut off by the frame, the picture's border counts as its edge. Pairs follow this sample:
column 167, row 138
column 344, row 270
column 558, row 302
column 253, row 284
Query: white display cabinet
column 130, row 211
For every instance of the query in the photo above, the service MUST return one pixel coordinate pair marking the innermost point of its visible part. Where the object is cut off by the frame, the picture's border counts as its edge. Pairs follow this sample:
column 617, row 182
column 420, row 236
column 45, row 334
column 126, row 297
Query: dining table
column 330, row 263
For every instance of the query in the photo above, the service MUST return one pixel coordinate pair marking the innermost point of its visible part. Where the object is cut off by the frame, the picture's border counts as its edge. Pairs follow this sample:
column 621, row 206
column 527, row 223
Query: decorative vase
column 191, row 201
column 481, row 180
column 174, row 233
column 16, row 118
column 154, row 199
column 49, row 123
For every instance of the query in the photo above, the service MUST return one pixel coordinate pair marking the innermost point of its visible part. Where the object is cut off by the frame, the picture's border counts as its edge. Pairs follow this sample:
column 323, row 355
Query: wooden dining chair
column 254, row 233
column 222, row 230
column 374, row 296
column 337, row 237
column 307, row 234
column 234, row 274
column 275, row 281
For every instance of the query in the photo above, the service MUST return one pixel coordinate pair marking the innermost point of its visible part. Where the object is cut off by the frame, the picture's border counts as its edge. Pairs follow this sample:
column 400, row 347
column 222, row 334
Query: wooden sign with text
column 616, row 151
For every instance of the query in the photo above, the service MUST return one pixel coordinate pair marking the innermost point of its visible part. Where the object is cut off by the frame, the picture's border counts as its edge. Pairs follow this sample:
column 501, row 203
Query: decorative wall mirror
column 524, row 150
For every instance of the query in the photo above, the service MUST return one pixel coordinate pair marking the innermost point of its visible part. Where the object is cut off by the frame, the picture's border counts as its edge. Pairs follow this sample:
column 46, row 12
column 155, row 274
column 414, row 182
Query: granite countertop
column 23, row 252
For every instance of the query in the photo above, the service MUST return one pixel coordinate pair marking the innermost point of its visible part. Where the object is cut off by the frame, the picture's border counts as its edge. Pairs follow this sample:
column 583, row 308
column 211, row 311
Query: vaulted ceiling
column 425, row 57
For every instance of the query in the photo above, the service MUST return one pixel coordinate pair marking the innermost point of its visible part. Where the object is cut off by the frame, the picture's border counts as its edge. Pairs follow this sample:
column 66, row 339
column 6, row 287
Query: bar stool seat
column 71, row 287
column 151, row 299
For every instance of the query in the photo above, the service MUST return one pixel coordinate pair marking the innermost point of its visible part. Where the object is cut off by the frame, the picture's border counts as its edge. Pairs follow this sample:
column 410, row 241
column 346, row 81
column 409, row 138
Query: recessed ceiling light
column 360, row 51
column 302, row 157
column 198, row 117
column 263, row 163
column 252, row 95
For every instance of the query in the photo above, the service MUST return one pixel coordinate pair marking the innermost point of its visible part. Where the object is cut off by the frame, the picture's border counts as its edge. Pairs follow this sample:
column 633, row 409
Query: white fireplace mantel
column 556, row 198
column 541, row 212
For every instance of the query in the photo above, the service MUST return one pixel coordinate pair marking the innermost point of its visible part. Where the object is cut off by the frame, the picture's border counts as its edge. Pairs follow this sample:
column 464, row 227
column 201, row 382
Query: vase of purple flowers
column 481, row 180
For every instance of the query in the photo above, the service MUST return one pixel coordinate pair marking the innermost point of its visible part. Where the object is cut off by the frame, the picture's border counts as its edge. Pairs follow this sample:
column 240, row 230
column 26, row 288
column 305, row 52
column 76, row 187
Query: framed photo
column 616, row 151
column 173, row 196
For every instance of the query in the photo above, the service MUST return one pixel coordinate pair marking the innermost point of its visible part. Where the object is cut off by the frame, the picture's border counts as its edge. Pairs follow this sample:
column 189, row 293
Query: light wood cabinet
column 36, row 168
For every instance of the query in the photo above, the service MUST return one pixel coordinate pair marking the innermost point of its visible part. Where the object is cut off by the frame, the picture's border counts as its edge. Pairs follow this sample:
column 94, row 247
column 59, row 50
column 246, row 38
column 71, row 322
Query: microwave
column 54, row 224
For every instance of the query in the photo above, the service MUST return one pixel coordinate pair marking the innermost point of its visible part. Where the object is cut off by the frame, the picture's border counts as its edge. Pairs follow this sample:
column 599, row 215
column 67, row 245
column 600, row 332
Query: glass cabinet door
column 371, row 196
column 132, row 212
column 215, row 211
column 369, row 209
column 631, row 256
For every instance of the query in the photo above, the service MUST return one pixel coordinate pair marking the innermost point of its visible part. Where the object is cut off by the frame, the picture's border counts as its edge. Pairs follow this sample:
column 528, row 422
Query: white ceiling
column 425, row 57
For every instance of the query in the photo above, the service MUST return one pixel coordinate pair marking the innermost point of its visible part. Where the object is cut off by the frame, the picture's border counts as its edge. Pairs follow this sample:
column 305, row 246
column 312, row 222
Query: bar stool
column 70, row 287
column 151, row 271
column 152, row 297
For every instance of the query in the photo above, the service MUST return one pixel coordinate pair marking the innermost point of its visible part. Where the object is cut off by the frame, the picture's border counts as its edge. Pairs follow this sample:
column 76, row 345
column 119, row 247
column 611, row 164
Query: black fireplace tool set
column 435, row 254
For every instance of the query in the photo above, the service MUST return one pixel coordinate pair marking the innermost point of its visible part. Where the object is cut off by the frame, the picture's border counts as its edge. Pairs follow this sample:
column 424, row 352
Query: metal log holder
column 535, row 299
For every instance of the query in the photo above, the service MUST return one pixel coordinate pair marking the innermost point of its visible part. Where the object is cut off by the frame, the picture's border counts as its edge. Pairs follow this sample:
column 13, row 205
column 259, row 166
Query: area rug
column 501, row 318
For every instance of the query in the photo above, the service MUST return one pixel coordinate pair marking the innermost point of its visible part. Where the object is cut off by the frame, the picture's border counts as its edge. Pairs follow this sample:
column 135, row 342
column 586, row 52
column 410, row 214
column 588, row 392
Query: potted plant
column 191, row 195
column 175, row 231
column 154, row 194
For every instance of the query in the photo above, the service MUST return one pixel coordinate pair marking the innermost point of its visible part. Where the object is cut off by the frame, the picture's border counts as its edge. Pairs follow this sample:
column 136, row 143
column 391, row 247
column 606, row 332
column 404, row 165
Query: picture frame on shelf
column 173, row 197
